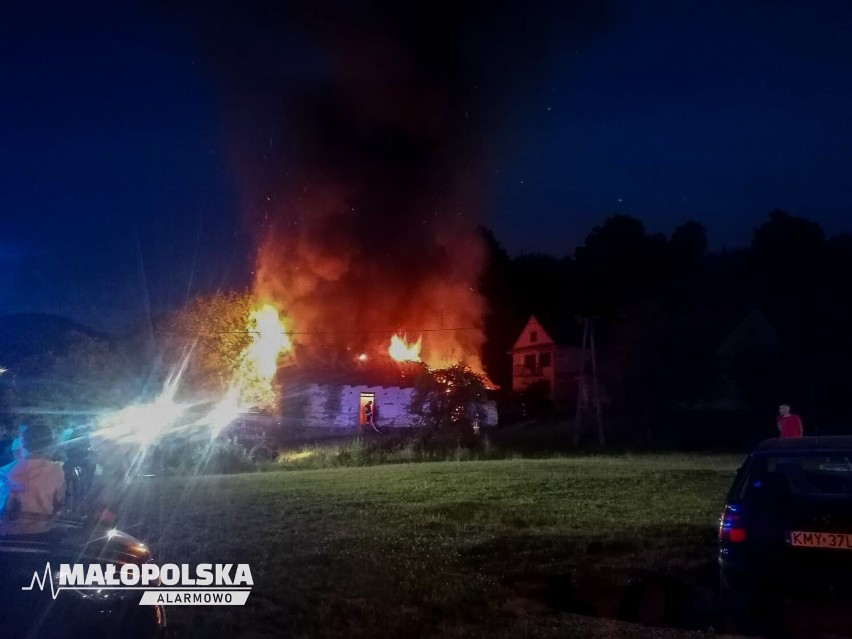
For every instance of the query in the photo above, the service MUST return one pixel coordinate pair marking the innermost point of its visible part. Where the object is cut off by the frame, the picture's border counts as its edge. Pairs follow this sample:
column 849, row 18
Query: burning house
column 317, row 397
column 337, row 396
column 363, row 189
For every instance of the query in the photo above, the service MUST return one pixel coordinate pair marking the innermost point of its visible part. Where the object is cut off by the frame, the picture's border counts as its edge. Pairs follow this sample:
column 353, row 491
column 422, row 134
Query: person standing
column 789, row 425
column 35, row 484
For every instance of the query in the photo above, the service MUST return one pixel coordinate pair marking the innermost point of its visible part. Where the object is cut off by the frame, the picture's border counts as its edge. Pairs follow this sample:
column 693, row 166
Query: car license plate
column 802, row 539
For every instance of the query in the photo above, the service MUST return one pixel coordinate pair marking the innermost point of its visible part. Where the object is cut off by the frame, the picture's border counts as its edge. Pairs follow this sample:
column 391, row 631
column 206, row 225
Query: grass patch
column 426, row 549
column 373, row 451
column 415, row 448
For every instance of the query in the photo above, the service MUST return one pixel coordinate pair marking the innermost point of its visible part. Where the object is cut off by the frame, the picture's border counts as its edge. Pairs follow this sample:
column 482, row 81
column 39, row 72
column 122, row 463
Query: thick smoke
column 356, row 131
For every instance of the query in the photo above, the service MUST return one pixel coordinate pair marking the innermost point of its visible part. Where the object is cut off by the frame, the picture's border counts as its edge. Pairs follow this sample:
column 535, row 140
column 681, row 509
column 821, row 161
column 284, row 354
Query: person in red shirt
column 789, row 425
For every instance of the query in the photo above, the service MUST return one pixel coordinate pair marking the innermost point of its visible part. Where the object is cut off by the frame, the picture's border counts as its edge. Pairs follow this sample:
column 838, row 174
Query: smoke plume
column 356, row 131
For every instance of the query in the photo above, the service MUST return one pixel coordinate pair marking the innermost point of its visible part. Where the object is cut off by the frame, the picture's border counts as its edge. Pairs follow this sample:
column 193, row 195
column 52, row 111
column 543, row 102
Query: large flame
column 260, row 359
column 403, row 351
column 270, row 341
column 343, row 296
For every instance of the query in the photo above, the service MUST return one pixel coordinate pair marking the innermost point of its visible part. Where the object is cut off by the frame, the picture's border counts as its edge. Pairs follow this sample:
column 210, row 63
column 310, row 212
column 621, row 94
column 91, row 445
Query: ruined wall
column 324, row 406
column 339, row 406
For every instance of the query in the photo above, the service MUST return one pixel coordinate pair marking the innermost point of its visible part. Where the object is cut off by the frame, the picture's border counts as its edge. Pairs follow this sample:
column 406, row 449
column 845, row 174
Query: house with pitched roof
column 547, row 353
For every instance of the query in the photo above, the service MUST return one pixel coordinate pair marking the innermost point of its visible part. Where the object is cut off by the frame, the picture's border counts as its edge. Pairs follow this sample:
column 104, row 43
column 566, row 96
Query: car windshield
column 807, row 474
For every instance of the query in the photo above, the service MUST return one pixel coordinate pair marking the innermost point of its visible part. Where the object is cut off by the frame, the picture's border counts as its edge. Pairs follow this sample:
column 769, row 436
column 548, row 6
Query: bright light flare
column 143, row 423
column 223, row 413
column 403, row 351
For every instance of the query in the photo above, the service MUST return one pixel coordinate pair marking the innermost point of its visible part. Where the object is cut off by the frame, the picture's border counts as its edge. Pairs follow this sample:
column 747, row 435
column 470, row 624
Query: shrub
column 449, row 397
column 222, row 457
column 355, row 454
column 195, row 458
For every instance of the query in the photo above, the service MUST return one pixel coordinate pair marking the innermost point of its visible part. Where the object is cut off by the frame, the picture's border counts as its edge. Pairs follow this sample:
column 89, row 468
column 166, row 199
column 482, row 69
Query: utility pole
column 581, row 384
column 588, row 390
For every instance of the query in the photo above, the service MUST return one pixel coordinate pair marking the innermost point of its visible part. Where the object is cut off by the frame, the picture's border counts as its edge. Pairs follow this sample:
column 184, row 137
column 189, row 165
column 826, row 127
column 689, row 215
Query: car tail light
column 731, row 525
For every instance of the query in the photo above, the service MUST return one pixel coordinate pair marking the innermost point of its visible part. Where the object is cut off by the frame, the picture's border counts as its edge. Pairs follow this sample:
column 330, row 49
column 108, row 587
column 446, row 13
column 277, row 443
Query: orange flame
column 402, row 351
column 259, row 361
column 270, row 340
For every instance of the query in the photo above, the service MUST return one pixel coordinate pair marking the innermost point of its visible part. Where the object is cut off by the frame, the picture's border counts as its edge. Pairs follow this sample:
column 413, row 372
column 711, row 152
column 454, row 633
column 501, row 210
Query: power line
column 370, row 332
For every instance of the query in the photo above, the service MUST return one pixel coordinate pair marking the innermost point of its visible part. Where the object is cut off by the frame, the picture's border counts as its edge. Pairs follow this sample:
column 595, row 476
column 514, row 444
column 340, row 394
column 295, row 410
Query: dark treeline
column 691, row 339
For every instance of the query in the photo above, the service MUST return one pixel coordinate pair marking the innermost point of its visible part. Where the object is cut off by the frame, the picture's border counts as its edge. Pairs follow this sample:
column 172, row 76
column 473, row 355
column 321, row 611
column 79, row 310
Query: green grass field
column 442, row 549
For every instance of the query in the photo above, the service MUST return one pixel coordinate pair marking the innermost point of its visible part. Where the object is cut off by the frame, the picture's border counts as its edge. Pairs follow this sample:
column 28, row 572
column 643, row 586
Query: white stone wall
column 327, row 406
column 339, row 405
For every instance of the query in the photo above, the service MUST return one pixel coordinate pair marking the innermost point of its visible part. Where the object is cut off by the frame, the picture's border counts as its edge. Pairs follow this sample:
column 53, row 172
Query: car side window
column 755, row 473
column 740, row 484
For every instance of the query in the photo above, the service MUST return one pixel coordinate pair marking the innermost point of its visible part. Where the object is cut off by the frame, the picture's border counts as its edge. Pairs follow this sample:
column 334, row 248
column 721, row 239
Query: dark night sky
column 716, row 111
column 116, row 188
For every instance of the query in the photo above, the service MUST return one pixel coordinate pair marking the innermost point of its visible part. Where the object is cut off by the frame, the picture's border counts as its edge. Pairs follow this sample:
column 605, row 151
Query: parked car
column 786, row 530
